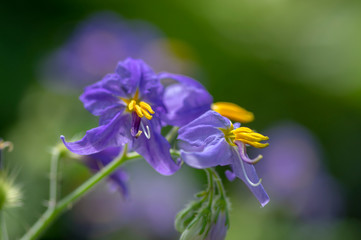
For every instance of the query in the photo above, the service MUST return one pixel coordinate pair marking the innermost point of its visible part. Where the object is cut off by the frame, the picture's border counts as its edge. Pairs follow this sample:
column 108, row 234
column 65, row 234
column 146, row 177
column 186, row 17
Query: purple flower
column 98, row 160
column 212, row 140
column 99, row 41
column 184, row 98
column 129, row 103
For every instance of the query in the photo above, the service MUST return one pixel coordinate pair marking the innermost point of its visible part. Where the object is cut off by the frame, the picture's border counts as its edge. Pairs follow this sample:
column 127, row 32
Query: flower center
column 228, row 135
column 142, row 109
column 245, row 135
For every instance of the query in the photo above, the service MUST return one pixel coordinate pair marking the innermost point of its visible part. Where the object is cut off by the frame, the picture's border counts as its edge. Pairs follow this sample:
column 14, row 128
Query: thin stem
column 171, row 134
column 175, row 152
column 219, row 183
column 51, row 214
column 53, row 191
column 210, row 186
column 4, row 231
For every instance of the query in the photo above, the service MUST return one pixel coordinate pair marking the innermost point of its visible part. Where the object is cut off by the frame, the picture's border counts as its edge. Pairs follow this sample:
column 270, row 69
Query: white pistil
column 246, row 158
column 245, row 173
column 146, row 132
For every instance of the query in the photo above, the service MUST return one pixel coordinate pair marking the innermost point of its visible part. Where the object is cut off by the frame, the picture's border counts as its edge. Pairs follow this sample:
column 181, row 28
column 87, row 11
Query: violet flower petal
column 257, row 191
column 156, row 150
column 115, row 133
column 185, row 100
column 98, row 101
column 202, row 143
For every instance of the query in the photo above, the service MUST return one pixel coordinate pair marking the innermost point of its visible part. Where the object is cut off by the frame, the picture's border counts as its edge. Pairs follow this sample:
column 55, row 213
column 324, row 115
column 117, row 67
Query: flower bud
column 199, row 227
column 10, row 195
column 186, row 215
column 220, row 222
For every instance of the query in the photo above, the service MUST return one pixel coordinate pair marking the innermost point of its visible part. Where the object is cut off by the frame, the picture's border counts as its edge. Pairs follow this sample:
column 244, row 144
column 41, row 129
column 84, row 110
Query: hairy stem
column 210, row 186
column 53, row 212
column 219, row 183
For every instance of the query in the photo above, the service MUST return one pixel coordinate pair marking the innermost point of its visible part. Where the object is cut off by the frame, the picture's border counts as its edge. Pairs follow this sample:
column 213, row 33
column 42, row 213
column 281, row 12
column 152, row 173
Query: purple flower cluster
column 131, row 109
column 134, row 103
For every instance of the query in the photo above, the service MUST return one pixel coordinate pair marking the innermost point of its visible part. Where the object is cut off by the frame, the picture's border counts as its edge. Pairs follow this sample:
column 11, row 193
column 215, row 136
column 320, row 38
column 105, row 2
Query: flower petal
column 211, row 119
column 214, row 153
column 257, row 191
column 134, row 74
column 185, row 100
column 156, row 149
column 202, row 143
column 115, row 133
column 99, row 100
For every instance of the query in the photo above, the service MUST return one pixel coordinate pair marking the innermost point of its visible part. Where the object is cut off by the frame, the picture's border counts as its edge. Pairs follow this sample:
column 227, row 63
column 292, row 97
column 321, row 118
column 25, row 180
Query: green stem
column 4, row 235
column 53, row 191
column 219, row 183
column 171, row 134
column 52, row 213
column 210, row 186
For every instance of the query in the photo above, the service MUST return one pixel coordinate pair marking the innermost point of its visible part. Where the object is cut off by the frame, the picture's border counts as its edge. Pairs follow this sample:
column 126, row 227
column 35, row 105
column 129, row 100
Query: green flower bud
column 199, row 227
column 10, row 195
column 186, row 215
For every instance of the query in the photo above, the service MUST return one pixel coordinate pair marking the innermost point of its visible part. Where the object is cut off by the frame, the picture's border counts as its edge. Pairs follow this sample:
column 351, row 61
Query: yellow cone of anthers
column 141, row 108
column 248, row 136
column 233, row 112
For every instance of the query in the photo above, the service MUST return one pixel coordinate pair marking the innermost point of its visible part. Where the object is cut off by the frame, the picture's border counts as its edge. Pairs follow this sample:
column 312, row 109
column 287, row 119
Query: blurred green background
column 287, row 61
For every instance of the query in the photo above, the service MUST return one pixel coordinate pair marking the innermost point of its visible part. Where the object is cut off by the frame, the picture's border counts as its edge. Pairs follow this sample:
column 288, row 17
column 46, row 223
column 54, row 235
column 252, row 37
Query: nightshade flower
column 98, row 160
column 212, row 140
column 129, row 103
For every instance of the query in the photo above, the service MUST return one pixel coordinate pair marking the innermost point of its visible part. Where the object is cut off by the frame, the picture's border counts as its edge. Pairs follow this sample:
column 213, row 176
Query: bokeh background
column 295, row 64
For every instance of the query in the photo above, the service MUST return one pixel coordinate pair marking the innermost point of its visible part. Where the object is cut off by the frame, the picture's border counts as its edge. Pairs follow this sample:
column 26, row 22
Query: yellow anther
column 147, row 107
column 233, row 112
column 248, row 136
column 146, row 114
column 138, row 110
column 131, row 105
column 142, row 109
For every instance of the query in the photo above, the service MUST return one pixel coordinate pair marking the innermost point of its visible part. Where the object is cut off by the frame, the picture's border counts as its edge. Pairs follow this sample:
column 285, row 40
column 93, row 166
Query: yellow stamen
column 233, row 112
column 248, row 136
column 245, row 135
column 131, row 105
column 138, row 110
column 147, row 107
column 146, row 114
column 141, row 108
